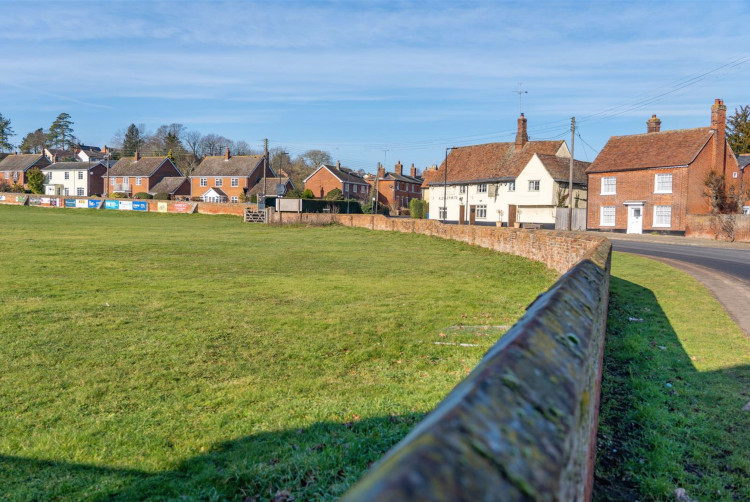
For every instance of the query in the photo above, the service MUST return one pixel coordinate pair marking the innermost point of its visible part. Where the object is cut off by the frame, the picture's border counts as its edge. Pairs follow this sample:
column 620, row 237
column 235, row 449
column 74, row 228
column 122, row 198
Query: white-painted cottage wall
column 57, row 177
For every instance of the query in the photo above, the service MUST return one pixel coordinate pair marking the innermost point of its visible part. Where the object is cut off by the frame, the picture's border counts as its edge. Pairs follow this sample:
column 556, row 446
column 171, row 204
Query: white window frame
column 481, row 212
column 235, row 199
column 67, row 175
column 659, row 218
column 346, row 187
column 745, row 209
column 664, row 177
column 534, row 185
column 138, row 180
column 67, row 191
column 462, row 189
column 512, row 186
column 606, row 181
column 218, row 182
column 482, row 188
column 443, row 213
column 604, row 214
column 113, row 181
column 126, row 180
column 80, row 175
column 204, row 182
column 80, row 192
column 235, row 182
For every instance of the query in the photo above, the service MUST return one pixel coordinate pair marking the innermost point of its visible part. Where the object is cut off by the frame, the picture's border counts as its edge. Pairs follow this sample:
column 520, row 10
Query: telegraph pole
column 570, row 174
column 268, row 163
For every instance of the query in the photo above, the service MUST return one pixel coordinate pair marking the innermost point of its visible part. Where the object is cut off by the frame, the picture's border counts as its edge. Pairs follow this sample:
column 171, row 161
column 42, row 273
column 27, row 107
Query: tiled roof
column 346, row 174
column 743, row 160
column 491, row 161
column 168, row 184
column 239, row 165
column 216, row 190
column 656, row 149
column 19, row 162
column 270, row 186
column 402, row 177
column 430, row 176
column 128, row 166
column 559, row 168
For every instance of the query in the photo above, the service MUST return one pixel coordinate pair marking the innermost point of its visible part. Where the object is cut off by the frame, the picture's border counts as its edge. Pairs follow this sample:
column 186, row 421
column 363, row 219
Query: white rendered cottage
column 508, row 183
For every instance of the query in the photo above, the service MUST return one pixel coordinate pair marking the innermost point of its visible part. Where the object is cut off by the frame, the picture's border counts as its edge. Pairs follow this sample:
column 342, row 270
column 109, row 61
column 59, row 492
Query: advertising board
column 126, row 205
column 140, row 206
column 180, row 207
column 162, row 207
column 112, row 204
column 82, row 203
column 93, row 204
column 70, row 203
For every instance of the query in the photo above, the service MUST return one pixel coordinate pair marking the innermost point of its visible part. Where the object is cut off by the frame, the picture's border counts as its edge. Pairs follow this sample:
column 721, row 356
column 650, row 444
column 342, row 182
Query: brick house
column 327, row 177
column 81, row 179
column 744, row 161
column 508, row 183
column 132, row 175
column 228, row 178
column 652, row 181
column 13, row 168
column 395, row 189
column 271, row 185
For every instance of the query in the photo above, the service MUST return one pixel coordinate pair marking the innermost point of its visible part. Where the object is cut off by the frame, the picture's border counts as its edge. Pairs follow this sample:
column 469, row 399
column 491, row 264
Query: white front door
column 635, row 219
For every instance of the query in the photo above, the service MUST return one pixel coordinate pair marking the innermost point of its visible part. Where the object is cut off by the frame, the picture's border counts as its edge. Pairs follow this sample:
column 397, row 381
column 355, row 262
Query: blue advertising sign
column 140, row 206
column 112, row 204
column 70, row 203
column 93, row 204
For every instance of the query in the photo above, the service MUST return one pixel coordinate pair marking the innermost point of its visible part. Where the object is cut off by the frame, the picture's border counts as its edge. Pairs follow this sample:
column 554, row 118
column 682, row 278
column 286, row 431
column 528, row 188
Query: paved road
column 734, row 262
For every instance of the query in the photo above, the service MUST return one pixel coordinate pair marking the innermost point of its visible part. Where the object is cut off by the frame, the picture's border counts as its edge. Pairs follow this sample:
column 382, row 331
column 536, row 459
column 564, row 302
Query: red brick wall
column 708, row 227
column 638, row 186
column 323, row 182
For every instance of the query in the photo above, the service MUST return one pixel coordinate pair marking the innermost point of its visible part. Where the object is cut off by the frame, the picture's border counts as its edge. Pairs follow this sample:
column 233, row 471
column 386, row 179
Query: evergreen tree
column 738, row 130
column 132, row 141
column 61, row 131
column 6, row 131
column 34, row 142
column 35, row 180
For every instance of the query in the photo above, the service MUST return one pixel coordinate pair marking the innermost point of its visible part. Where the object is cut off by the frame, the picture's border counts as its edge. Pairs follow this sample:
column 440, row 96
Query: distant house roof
column 656, row 149
column 401, row 177
column 344, row 174
column 559, row 168
column 168, row 184
column 238, row 165
column 145, row 166
column 21, row 162
column 491, row 161
column 743, row 160
column 93, row 154
column 270, row 186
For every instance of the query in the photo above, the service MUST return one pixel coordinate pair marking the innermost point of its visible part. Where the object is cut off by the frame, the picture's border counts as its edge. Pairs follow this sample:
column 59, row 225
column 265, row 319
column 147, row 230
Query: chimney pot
column 381, row 171
column 226, row 154
column 338, row 164
column 399, row 168
column 413, row 171
column 137, row 155
column 653, row 124
column 522, row 136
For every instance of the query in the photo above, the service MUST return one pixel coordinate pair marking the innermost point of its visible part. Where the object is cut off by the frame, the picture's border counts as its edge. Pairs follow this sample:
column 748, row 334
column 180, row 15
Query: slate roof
column 69, row 166
column 743, row 160
column 402, row 177
column 491, row 161
column 145, row 166
column 168, row 184
column 19, row 162
column 342, row 173
column 238, row 165
column 656, row 149
column 559, row 168
column 270, row 186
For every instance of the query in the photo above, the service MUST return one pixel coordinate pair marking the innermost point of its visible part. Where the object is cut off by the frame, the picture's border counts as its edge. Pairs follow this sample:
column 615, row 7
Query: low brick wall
column 522, row 425
column 708, row 227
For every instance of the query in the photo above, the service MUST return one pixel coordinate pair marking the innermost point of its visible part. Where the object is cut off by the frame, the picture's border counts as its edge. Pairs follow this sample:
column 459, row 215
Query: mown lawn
column 155, row 356
column 676, row 377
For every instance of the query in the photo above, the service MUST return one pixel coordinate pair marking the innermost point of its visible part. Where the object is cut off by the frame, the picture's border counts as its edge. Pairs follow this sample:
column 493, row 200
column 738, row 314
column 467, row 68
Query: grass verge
column 196, row 357
column 676, row 376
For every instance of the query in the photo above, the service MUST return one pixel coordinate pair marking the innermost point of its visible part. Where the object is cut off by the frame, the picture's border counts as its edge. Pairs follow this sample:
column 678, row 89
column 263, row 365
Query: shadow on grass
column 663, row 424
column 316, row 463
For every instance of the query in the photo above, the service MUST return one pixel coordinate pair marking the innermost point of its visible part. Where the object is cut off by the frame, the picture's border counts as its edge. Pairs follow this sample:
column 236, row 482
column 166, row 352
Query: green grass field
column 676, row 376
column 197, row 357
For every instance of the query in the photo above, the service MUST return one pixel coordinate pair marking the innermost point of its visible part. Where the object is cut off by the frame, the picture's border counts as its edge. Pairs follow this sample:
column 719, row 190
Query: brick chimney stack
column 399, row 168
column 55, row 159
column 137, row 155
column 338, row 164
column 413, row 171
column 226, row 154
column 653, row 124
column 522, row 136
column 719, row 125
column 381, row 171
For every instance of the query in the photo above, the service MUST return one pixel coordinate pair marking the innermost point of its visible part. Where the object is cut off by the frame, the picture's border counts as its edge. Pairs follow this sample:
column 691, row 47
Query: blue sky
column 360, row 78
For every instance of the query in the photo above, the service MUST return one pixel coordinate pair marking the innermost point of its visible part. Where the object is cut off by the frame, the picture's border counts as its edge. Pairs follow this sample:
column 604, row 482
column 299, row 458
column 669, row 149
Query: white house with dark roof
column 506, row 183
column 81, row 179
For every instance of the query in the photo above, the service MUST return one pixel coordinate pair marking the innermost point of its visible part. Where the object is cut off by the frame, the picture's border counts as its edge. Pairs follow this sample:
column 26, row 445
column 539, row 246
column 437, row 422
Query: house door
column 472, row 214
column 511, row 215
column 635, row 219
column 461, row 217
